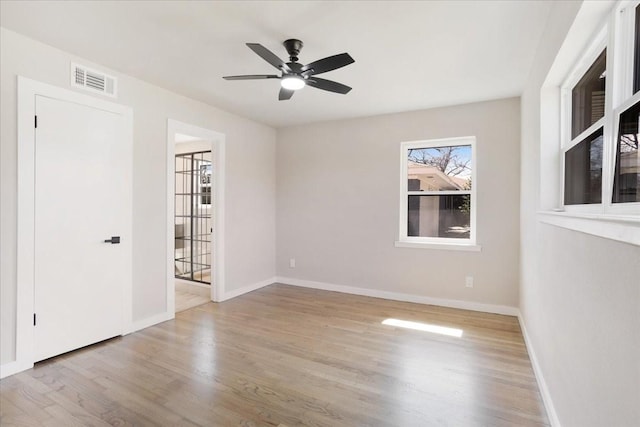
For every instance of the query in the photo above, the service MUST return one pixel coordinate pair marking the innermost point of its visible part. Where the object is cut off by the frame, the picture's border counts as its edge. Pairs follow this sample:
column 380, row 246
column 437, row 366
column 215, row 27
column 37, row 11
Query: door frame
column 217, row 141
column 27, row 91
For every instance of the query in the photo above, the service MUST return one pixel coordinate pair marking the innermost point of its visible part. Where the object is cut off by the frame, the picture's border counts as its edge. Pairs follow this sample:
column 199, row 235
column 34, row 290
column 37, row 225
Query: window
column 626, row 178
column 583, row 171
column 205, row 183
column 600, row 121
column 437, row 202
column 587, row 97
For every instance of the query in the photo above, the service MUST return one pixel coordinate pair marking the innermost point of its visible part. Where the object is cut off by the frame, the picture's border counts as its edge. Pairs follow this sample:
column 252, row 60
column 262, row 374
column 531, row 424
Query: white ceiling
column 409, row 55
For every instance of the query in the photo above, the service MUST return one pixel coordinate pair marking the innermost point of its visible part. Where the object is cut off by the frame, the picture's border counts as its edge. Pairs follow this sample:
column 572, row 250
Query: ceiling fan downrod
column 293, row 47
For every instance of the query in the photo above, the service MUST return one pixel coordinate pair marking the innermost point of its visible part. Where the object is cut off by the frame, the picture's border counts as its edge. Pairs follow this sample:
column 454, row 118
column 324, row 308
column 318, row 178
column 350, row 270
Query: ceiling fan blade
column 327, row 64
column 285, row 94
column 329, row 85
column 269, row 56
column 252, row 77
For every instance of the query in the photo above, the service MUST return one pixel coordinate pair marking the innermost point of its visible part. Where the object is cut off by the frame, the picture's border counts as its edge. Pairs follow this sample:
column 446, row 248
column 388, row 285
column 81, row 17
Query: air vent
column 92, row 80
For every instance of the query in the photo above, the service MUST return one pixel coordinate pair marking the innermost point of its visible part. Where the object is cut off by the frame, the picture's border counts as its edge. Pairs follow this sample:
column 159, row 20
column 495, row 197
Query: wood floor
column 286, row 356
column 189, row 296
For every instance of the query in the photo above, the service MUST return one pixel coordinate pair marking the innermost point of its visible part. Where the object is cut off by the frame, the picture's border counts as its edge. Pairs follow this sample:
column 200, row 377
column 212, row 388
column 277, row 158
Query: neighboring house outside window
column 437, row 193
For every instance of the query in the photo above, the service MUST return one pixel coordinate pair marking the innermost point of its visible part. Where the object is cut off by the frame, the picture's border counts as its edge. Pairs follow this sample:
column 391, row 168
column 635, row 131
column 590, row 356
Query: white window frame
column 566, row 142
column 404, row 240
column 616, row 36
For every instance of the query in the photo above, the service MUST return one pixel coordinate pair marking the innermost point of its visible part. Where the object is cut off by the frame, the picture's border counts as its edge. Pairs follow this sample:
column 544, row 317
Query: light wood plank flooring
column 287, row 356
column 189, row 296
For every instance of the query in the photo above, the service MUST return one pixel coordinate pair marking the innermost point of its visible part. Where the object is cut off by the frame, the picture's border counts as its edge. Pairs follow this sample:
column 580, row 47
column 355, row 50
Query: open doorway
column 193, row 221
column 195, row 194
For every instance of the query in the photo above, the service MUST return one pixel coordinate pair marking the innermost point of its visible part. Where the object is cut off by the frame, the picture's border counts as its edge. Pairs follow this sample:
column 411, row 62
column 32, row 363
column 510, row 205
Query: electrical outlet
column 468, row 281
column 292, row 263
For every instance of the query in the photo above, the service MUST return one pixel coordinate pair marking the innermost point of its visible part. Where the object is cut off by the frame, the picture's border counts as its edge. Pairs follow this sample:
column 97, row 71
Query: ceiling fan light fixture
column 292, row 82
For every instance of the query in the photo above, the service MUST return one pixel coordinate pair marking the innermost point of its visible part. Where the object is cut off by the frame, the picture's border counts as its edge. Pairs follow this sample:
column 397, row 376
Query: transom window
column 438, row 191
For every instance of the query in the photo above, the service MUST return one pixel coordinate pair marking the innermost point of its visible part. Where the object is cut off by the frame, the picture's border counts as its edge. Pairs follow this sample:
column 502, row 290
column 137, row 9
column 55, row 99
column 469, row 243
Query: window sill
column 622, row 228
column 440, row 246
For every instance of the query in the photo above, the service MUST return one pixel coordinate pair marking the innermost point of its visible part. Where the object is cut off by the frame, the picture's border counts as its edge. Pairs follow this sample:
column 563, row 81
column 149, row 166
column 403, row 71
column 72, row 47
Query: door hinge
column 35, row 121
column 34, row 319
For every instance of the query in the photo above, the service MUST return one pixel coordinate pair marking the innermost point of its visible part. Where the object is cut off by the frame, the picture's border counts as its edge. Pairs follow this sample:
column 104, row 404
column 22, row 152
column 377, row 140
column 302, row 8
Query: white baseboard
column 396, row 296
column 245, row 289
column 150, row 321
column 542, row 384
column 12, row 368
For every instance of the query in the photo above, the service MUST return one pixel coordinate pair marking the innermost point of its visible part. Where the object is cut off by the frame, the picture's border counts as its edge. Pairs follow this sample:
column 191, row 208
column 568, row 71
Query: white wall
column 580, row 294
column 338, row 204
column 250, row 181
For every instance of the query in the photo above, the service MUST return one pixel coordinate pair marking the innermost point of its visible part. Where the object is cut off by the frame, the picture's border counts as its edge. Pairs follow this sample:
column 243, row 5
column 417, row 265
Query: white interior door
column 82, row 198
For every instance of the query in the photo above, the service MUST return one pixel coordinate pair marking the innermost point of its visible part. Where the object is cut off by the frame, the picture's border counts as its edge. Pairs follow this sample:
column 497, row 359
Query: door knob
column 113, row 240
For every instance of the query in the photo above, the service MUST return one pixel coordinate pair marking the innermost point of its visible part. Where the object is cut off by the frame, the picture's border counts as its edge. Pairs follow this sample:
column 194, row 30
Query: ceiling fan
column 295, row 76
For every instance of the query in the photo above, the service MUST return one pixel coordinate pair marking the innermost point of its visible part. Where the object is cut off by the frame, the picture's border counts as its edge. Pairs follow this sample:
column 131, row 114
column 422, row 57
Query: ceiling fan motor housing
column 293, row 47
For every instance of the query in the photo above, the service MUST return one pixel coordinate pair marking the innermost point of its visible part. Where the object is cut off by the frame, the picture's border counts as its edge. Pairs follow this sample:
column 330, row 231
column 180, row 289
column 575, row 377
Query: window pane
column 583, row 171
column 587, row 97
column 439, row 168
column 636, row 54
column 440, row 216
column 205, row 182
column 626, row 181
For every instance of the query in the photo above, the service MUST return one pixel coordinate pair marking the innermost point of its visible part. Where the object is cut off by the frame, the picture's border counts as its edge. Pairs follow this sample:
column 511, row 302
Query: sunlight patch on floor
column 427, row 327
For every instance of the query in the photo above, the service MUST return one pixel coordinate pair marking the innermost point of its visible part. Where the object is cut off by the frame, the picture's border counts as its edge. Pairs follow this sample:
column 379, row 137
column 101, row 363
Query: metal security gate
column 193, row 221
